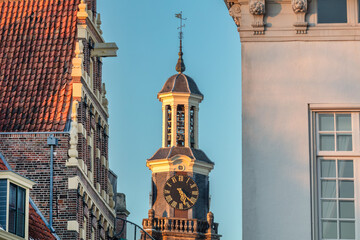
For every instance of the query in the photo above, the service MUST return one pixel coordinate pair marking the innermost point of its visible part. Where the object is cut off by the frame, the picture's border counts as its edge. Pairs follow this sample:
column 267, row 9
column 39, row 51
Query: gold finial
column 180, row 66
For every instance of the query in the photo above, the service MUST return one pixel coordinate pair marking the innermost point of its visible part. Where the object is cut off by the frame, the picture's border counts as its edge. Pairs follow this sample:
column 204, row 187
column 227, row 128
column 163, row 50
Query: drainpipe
column 51, row 141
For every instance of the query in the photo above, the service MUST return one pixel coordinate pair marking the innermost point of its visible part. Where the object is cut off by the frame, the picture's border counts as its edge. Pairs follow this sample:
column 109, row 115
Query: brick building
column 53, row 106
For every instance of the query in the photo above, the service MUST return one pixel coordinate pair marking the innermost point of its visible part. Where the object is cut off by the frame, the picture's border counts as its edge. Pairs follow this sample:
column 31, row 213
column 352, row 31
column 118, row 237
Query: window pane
column 21, row 200
column 20, row 226
column 326, row 122
column 329, row 229
column 327, row 142
column 328, row 209
column 12, row 221
column 343, row 122
column 347, row 230
column 12, row 197
column 328, row 168
column 346, row 189
column 345, row 169
column 328, row 188
column 346, row 209
column 332, row 11
column 344, row 142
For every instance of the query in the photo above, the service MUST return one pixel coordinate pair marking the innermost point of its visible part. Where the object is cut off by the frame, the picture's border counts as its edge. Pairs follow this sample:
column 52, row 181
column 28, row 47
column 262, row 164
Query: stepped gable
column 37, row 41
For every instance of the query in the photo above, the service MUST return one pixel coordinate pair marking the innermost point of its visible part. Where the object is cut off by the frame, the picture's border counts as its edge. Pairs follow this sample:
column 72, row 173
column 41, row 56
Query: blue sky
column 147, row 36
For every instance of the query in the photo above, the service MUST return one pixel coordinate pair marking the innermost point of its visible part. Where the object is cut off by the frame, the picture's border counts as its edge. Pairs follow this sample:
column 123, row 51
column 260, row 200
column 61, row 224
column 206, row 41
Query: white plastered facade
column 284, row 72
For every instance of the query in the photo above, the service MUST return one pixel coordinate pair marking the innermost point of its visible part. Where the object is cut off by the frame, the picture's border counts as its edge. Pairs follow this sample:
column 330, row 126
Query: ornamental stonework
column 257, row 8
column 235, row 12
column 299, row 6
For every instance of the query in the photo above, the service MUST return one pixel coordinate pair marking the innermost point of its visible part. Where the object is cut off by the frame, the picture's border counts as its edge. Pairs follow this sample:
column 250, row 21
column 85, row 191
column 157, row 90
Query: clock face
column 181, row 192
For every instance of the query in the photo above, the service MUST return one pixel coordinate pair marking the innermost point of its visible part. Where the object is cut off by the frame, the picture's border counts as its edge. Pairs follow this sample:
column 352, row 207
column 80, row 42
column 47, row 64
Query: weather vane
column 180, row 66
column 179, row 15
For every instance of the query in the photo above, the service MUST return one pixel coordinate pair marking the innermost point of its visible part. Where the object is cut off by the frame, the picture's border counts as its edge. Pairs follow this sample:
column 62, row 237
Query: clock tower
column 179, row 199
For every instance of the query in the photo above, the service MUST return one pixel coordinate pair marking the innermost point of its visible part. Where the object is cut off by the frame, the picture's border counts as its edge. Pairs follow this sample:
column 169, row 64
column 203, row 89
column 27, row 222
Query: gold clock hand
column 188, row 199
column 182, row 195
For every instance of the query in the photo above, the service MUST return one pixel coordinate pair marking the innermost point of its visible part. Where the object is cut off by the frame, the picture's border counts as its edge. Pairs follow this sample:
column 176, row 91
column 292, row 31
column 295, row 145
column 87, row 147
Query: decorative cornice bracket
column 257, row 9
column 300, row 8
column 235, row 13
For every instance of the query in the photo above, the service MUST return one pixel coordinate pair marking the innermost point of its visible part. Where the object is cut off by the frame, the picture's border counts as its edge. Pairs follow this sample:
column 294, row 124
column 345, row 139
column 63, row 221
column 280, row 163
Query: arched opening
column 192, row 126
column 168, row 125
column 180, row 128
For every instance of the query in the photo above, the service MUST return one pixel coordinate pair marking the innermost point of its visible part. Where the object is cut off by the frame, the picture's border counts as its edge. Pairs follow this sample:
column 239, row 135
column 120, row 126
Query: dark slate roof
column 170, row 152
column 180, row 83
column 37, row 41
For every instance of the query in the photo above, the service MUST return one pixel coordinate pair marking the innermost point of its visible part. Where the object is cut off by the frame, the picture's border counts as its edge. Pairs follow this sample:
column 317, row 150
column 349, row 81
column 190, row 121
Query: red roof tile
column 37, row 40
column 2, row 166
column 37, row 228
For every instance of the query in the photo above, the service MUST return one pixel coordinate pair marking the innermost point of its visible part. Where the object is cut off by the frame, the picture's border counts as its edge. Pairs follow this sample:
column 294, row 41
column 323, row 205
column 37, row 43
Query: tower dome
column 180, row 83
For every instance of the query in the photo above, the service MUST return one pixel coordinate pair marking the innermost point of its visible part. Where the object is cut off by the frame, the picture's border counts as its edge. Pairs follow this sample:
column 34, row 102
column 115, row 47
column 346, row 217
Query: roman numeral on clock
column 168, row 198
column 173, row 204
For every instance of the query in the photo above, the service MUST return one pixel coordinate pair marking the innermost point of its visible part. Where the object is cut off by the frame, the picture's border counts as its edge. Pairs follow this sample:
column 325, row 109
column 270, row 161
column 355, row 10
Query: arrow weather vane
column 180, row 66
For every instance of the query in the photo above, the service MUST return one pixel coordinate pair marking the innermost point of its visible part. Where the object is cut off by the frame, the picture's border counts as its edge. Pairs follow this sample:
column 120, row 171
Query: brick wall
column 100, row 142
column 29, row 155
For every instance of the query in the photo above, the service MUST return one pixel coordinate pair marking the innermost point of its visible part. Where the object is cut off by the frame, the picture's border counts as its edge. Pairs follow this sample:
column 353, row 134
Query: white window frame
column 355, row 131
column 315, row 155
column 356, row 168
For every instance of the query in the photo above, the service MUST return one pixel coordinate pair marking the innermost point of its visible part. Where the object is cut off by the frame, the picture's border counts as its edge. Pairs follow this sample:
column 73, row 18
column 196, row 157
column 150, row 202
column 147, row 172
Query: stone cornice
column 289, row 20
column 315, row 33
column 187, row 165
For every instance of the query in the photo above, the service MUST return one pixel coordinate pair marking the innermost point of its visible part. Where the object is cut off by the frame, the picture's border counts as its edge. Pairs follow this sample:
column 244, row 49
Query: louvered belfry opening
column 180, row 128
column 168, row 125
column 192, row 134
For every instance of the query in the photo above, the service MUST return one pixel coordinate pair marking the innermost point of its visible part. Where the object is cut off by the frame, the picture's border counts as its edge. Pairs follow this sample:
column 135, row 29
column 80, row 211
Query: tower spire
column 180, row 66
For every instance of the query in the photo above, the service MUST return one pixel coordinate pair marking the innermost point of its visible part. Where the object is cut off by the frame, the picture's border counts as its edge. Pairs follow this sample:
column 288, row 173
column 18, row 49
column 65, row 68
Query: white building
column 301, row 105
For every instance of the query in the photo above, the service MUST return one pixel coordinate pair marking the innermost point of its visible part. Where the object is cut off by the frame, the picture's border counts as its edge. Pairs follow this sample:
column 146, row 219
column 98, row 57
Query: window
column 3, row 202
column 14, row 205
column 17, row 210
column 337, row 199
column 337, row 171
column 332, row 11
column 335, row 132
column 92, row 154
